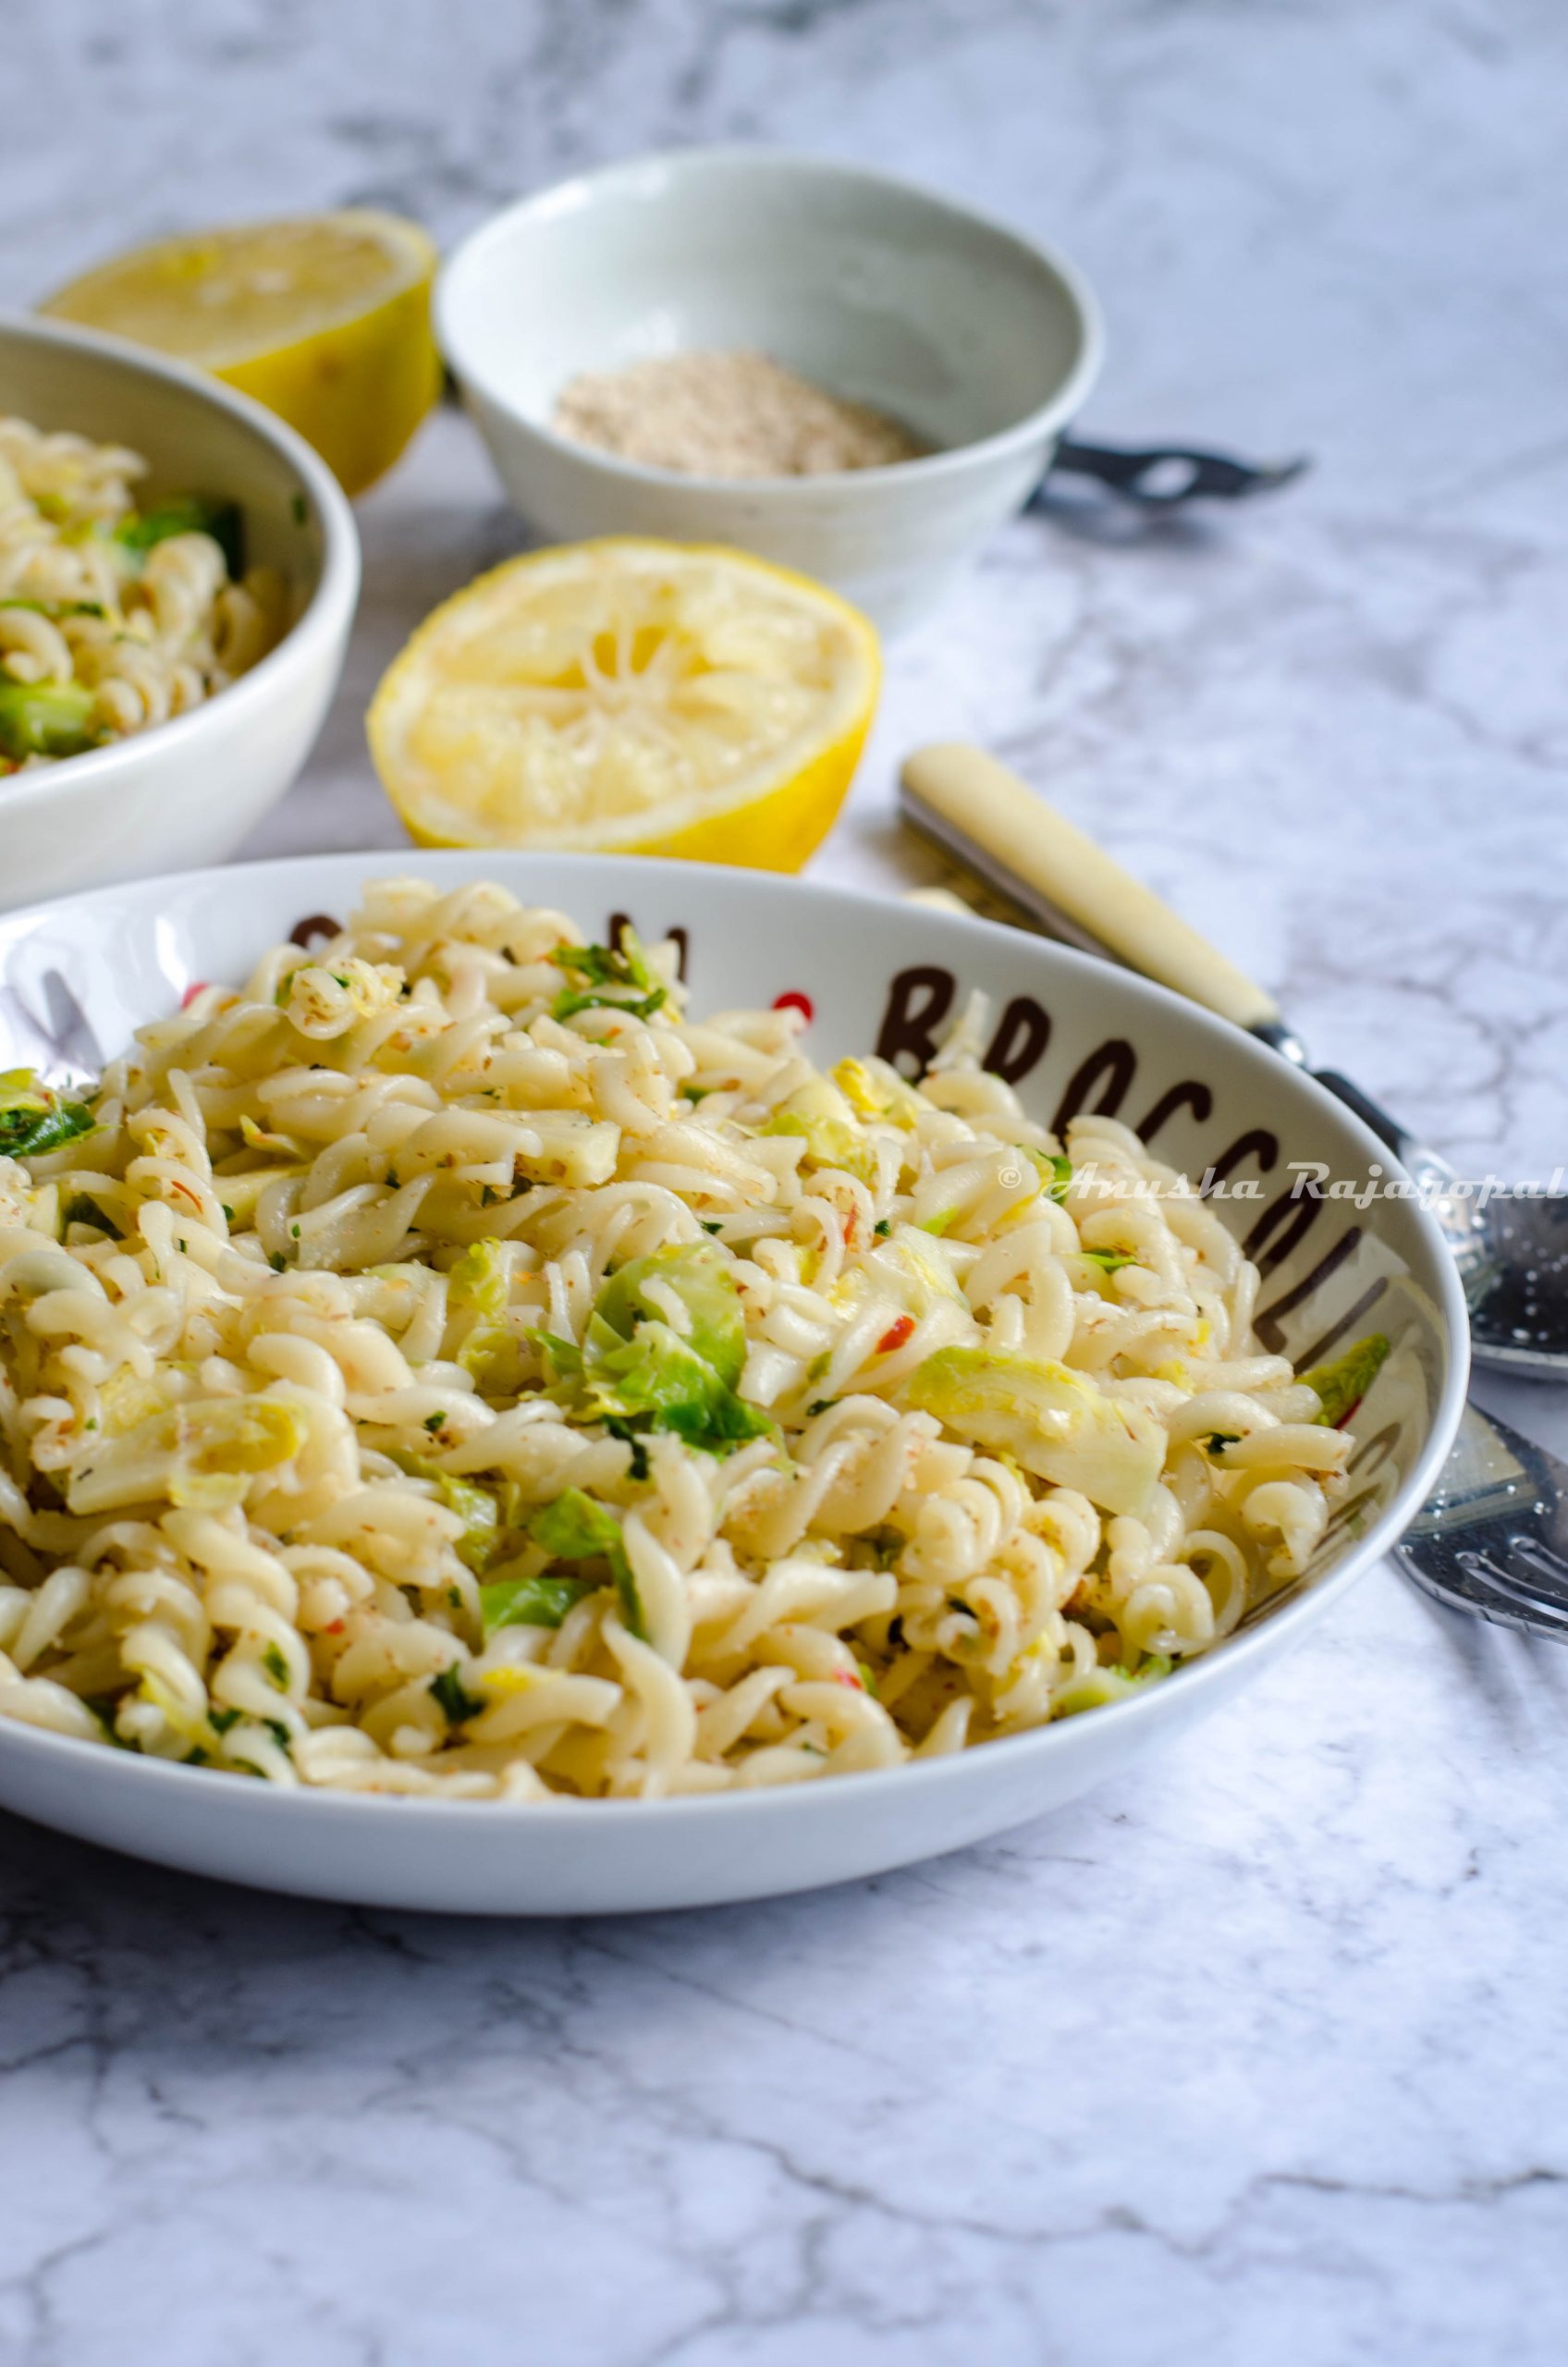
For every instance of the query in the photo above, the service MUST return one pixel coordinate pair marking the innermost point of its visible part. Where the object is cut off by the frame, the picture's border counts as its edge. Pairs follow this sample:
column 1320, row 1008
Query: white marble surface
column 1260, row 2055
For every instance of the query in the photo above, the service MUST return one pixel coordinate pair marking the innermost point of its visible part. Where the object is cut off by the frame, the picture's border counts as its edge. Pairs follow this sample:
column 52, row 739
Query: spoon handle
column 995, row 824
column 993, row 821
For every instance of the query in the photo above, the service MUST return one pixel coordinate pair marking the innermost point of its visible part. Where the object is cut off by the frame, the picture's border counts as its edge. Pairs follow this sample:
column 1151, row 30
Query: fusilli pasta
column 444, row 1367
column 112, row 618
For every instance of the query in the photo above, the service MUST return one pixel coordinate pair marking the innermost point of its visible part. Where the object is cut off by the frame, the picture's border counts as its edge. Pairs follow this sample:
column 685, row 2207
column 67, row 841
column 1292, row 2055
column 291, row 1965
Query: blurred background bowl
column 188, row 790
column 982, row 342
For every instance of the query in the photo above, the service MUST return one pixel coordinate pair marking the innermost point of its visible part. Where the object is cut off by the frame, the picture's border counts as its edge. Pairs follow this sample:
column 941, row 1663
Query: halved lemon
column 325, row 318
column 648, row 697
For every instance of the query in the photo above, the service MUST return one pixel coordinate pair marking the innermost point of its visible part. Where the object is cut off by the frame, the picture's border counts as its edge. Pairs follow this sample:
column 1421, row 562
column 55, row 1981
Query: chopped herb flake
column 456, row 1699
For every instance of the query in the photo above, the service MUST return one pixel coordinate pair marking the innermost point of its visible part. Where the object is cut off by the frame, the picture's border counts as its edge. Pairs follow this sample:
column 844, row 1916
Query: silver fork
column 1493, row 1539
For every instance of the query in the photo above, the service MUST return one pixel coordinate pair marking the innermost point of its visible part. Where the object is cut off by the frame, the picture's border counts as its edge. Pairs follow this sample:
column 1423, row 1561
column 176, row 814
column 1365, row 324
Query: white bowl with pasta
column 500, row 1425
column 178, row 572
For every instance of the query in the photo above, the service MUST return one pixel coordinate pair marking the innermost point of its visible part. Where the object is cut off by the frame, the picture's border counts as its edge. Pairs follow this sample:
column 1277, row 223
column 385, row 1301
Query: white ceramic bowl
column 982, row 341
column 186, row 791
column 1206, row 1094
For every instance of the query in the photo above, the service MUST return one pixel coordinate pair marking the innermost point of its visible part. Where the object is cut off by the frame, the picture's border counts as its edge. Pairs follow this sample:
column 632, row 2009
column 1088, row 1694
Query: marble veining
column 1260, row 2053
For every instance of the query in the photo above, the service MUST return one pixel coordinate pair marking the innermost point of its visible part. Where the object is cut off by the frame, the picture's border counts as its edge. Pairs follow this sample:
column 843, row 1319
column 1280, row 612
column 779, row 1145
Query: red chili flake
column 794, row 1001
column 197, row 986
column 843, row 1676
column 334, row 1627
column 895, row 1335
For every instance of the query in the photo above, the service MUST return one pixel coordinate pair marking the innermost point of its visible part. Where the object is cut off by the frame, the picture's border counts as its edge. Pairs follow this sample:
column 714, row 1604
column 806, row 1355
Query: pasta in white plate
column 444, row 1366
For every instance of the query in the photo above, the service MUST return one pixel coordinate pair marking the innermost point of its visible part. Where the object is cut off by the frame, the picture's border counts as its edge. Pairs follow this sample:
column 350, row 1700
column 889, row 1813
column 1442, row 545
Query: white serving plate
column 127, row 955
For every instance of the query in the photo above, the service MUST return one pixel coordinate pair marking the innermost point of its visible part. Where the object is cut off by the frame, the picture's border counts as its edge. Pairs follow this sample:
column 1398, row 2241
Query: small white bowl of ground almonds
column 838, row 370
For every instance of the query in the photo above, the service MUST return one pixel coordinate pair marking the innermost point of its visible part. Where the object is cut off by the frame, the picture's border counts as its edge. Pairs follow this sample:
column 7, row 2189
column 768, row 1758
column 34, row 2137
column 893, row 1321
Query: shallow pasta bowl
column 77, row 977
column 188, row 791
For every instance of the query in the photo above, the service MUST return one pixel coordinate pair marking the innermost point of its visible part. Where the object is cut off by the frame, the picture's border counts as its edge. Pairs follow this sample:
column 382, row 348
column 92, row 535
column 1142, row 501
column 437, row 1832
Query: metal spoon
column 1167, row 476
column 1511, row 1251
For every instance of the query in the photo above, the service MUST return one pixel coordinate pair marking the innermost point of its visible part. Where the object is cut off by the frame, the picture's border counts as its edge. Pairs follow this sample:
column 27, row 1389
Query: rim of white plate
column 1200, row 1673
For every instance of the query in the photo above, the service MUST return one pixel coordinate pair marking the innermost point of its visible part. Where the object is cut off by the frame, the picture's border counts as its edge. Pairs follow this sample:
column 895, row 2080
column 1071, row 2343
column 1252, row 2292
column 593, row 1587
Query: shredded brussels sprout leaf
column 572, row 1528
column 1341, row 1386
column 1055, row 1421
column 35, row 1119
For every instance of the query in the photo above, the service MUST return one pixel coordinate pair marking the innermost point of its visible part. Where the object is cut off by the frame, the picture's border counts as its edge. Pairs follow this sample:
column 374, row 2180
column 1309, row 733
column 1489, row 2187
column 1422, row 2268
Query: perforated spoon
column 1512, row 1254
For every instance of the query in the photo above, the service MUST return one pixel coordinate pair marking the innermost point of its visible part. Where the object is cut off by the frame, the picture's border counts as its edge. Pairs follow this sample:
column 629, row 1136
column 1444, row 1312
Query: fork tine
column 1471, row 1584
column 1550, row 1567
column 1487, row 1569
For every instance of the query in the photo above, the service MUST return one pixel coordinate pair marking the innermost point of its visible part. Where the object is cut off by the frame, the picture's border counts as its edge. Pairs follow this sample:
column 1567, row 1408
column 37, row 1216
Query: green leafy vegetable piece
column 33, row 1117
column 1103, row 1684
column 476, row 1506
column 623, row 1429
column 187, row 513
column 637, row 1367
column 79, row 1210
column 1217, row 1441
column 1110, row 1261
column 535, row 1601
column 657, row 1375
column 831, row 1137
column 1341, row 1386
column 46, row 719
column 565, row 1355
column 572, row 1528
column 454, row 1696
column 477, row 1284
column 703, row 1279
column 493, row 1353
column 56, row 610
column 1056, row 1422
column 611, row 980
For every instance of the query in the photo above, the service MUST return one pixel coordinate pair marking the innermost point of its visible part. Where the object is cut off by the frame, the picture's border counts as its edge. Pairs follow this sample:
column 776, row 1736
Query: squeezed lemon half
column 639, row 696
column 325, row 318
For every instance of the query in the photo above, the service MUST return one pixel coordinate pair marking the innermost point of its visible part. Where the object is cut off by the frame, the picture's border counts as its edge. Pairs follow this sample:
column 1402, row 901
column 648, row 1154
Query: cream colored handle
column 979, row 801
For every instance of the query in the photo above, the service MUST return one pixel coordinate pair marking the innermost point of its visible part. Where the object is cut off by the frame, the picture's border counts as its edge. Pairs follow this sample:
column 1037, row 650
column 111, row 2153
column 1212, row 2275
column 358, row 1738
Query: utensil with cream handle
column 1512, row 1254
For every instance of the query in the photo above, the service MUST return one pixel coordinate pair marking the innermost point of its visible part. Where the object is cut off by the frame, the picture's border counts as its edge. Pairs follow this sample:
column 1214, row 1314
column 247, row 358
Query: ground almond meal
column 735, row 414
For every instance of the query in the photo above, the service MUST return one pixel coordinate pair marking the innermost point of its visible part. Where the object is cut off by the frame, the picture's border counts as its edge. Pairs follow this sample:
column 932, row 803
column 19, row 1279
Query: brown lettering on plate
column 305, row 933
column 1336, row 1332
column 1022, row 1032
column 1115, row 1062
column 1381, row 1443
column 1256, row 1143
column 1189, row 1095
column 677, row 937
column 1297, row 1217
column 918, row 1001
column 1266, row 1322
